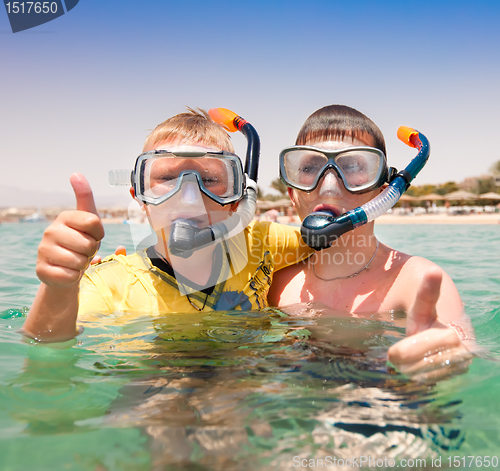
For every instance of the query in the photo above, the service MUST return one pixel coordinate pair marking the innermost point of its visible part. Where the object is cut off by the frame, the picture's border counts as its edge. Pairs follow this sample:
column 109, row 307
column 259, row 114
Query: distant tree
column 446, row 188
column 260, row 195
column 279, row 186
column 485, row 185
column 421, row 190
column 495, row 168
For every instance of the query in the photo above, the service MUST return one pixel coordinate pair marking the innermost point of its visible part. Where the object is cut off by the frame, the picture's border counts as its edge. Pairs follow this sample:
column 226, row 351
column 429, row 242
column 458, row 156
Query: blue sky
column 82, row 92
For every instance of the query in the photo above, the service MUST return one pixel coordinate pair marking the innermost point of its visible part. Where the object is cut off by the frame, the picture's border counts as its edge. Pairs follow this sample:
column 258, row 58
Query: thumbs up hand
column 71, row 241
column 422, row 314
column 432, row 349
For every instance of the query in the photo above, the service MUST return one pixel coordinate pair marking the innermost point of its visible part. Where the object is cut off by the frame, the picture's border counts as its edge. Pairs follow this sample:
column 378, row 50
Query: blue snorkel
column 320, row 229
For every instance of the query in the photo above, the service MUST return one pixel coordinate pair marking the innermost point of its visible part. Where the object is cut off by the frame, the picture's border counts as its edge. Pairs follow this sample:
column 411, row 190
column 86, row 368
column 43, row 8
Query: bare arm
column 64, row 253
column 439, row 335
column 438, row 332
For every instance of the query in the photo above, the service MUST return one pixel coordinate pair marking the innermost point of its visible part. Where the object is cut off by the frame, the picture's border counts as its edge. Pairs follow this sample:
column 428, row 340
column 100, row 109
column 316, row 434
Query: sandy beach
column 484, row 218
column 493, row 218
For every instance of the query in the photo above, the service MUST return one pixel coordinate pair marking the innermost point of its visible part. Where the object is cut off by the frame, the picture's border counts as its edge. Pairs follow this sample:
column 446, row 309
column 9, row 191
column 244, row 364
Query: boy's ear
column 290, row 195
column 141, row 204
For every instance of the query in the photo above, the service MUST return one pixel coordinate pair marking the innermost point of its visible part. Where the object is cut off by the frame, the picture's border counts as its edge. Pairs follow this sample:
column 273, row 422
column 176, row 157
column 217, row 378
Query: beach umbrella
column 286, row 202
column 282, row 203
column 490, row 196
column 19, row 211
column 12, row 211
column 408, row 198
column 431, row 197
column 460, row 195
column 263, row 204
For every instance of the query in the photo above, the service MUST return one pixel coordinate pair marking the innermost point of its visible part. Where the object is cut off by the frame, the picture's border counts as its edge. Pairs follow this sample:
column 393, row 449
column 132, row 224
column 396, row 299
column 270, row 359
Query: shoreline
column 488, row 219
column 477, row 219
column 440, row 219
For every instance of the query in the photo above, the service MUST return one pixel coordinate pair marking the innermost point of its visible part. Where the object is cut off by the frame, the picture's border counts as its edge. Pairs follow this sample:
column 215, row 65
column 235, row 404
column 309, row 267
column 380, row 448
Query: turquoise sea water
column 250, row 390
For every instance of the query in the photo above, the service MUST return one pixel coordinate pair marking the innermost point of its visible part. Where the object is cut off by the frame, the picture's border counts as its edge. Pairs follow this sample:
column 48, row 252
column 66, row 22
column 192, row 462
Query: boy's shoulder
column 275, row 229
column 282, row 241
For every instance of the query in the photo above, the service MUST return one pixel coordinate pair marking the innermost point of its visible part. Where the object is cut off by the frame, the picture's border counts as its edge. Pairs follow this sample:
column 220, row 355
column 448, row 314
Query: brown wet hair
column 338, row 122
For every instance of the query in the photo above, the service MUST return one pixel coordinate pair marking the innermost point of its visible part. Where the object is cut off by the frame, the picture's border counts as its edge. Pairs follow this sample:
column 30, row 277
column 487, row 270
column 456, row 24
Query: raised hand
column 71, row 241
column 433, row 348
column 64, row 253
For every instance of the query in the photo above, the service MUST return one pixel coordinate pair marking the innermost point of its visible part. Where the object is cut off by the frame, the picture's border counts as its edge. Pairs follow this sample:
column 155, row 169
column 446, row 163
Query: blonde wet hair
column 191, row 126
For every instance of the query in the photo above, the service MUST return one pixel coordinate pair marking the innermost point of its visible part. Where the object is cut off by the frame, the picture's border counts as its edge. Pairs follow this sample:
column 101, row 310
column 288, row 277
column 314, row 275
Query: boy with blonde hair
column 187, row 172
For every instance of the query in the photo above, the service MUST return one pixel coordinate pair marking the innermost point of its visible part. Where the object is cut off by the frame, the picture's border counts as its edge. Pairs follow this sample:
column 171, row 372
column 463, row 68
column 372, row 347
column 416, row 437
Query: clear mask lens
column 358, row 169
column 186, row 203
column 161, row 177
column 303, row 166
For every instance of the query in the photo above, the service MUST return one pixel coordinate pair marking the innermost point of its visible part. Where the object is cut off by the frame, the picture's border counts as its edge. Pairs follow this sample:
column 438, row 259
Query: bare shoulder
column 414, row 268
column 284, row 280
column 402, row 267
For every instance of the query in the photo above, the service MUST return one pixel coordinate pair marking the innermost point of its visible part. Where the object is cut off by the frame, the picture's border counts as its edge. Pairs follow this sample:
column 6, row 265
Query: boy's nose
column 330, row 184
column 190, row 194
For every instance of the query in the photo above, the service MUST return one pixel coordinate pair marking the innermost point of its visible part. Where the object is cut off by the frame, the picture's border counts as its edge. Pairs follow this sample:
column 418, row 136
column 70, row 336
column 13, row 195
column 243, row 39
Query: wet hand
column 432, row 349
column 71, row 241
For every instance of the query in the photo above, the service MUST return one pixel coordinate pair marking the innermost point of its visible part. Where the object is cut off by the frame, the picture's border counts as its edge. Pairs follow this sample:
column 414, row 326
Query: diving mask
column 320, row 229
column 361, row 168
column 159, row 174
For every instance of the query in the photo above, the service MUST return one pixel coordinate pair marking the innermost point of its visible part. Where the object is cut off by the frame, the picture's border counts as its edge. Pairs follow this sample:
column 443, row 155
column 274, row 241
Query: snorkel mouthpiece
column 188, row 236
column 185, row 236
column 320, row 229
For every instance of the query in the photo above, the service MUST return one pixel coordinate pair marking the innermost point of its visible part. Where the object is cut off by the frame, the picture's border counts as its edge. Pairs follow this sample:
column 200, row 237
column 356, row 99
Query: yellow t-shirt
column 133, row 284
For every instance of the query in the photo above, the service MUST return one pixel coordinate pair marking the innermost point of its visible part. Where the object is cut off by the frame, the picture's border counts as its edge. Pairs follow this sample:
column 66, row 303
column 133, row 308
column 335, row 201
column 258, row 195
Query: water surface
column 242, row 390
